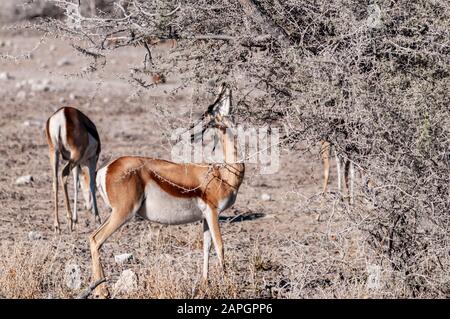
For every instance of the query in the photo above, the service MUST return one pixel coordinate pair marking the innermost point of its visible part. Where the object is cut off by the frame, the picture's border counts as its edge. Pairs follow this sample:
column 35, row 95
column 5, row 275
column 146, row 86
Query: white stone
column 4, row 76
column 34, row 235
column 72, row 276
column 73, row 96
column 265, row 197
column 374, row 277
column 21, row 95
column 29, row 123
column 63, row 62
column 40, row 86
column 24, row 180
column 374, row 19
column 123, row 258
column 127, row 282
column 21, row 84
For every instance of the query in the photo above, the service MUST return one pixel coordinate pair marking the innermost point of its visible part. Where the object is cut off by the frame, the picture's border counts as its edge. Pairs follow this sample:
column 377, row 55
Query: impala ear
column 216, row 141
column 222, row 105
column 225, row 106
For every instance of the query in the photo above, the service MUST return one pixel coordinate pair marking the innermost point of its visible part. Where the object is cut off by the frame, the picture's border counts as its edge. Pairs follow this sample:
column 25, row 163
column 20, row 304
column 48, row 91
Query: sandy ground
column 134, row 125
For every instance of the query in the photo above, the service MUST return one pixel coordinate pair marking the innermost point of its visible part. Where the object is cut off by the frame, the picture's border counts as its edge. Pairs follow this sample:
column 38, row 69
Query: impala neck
column 229, row 146
column 233, row 172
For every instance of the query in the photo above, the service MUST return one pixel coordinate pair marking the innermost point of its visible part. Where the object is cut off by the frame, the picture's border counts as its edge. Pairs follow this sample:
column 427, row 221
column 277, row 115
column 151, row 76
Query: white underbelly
column 163, row 208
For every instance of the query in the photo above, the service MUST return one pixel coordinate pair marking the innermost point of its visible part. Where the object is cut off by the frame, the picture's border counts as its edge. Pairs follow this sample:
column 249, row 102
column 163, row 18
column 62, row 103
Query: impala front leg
column 92, row 187
column 89, row 189
column 206, row 249
column 64, row 176
column 325, row 153
column 54, row 161
column 76, row 174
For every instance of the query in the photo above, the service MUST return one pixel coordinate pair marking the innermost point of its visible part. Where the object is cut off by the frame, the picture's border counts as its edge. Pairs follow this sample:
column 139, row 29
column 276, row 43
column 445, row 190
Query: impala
column 325, row 151
column 72, row 135
column 172, row 193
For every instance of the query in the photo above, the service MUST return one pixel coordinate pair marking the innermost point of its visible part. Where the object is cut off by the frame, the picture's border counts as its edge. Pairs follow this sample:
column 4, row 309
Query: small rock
column 72, row 276
column 21, row 95
column 265, row 197
column 29, row 123
column 40, row 86
column 5, row 76
column 52, row 48
column 127, row 282
column 63, row 62
column 123, row 258
column 34, row 235
column 21, row 84
column 374, row 20
column 62, row 100
column 106, row 100
column 73, row 96
column 24, row 180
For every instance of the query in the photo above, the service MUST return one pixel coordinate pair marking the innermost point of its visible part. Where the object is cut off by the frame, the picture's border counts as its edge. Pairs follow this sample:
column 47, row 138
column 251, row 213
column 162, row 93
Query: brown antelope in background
column 325, row 151
column 172, row 193
column 72, row 135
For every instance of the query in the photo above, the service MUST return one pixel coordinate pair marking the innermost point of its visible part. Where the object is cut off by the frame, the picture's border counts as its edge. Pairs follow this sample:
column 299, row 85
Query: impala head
column 218, row 114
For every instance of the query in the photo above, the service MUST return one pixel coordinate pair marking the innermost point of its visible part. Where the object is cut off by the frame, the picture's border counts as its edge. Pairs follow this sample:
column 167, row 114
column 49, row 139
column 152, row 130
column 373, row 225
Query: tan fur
column 325, row 150
column 76, row 151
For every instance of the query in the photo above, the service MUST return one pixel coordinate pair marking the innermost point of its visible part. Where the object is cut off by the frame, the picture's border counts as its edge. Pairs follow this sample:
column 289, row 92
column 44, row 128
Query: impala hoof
column 74, row 225
column 101, row 292
column 57, row 230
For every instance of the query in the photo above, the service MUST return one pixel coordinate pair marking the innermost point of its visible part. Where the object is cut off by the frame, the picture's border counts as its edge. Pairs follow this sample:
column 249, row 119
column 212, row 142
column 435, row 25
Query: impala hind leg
column 54, row 162
column 349, row 176
column 96, row 240
column 76, row 174
column 64, row 176
column 338, row 172
column 89, row 188
column 325, row 153
column 206, row 249
column 92, row 177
